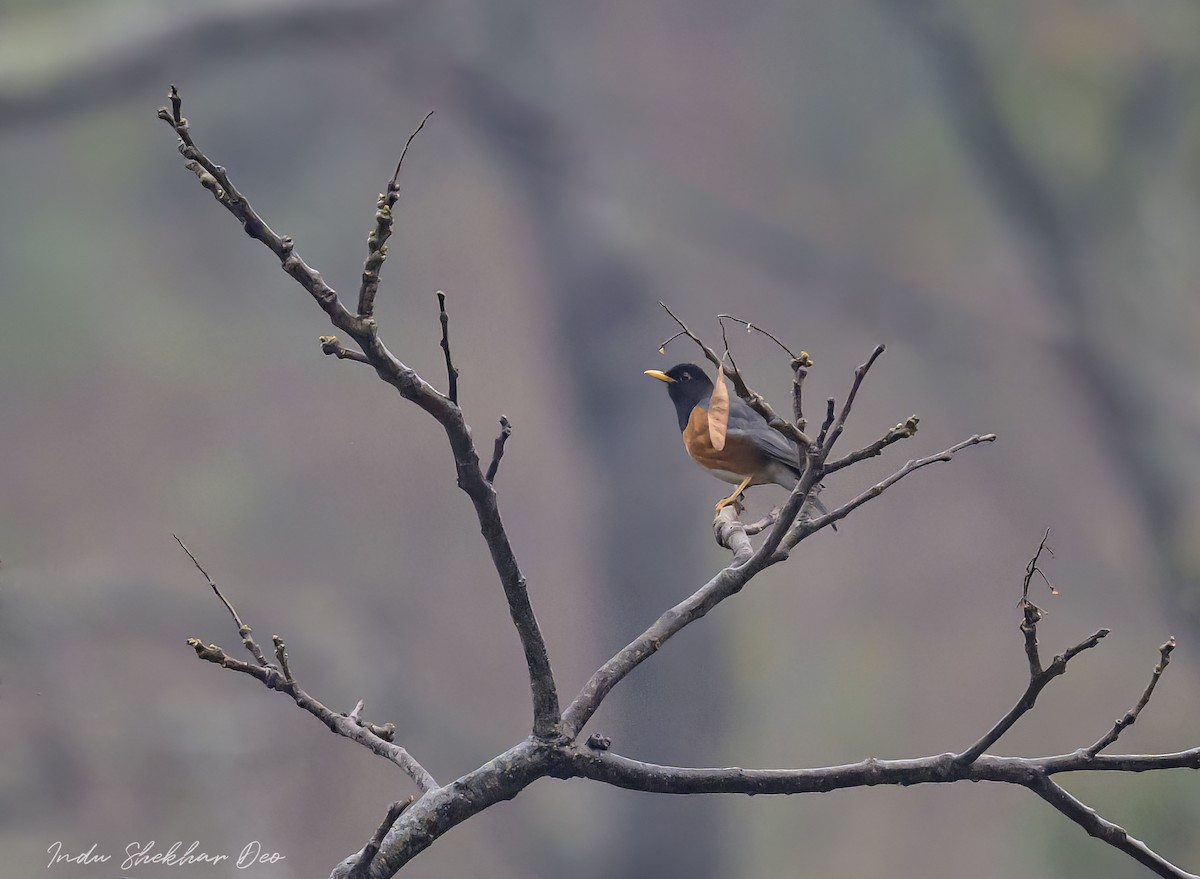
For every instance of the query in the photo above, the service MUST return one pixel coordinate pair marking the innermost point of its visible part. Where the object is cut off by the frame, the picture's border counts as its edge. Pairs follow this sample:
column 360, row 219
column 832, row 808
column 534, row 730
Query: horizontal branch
column 625, row 772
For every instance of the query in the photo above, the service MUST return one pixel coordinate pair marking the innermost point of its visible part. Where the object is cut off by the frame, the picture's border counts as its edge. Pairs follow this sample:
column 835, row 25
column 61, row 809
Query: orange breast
column 733, row 463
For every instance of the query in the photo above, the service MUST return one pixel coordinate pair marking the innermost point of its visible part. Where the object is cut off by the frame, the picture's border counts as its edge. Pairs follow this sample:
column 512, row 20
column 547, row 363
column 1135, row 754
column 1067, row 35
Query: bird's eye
column 685, row 376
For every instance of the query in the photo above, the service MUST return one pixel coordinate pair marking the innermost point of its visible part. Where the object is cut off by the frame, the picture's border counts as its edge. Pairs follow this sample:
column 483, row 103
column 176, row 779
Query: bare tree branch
column 612, row 768
column 904, row 430
column 727, row 582
column 377, row 239
column 830, row 414
column 371, row 736
column 243, row 630
column 359, row 870
column 1131, row 716
column 498, row 448
column 859, row 374
column 412, row 387
column 331, row 345
column 451, row 369
column 802, row 530
column 1033, row 568
column 1103, row 829
column 756, row 328
column 1037, row 683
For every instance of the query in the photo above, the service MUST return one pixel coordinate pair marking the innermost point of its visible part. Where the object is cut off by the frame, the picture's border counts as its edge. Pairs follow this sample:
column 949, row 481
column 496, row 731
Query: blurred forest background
column 1004, row 193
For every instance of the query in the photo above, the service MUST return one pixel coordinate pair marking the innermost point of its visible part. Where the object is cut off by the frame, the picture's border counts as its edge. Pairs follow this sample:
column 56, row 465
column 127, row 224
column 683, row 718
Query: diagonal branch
column 359, row 870
column 1131, row 716
column 374, row 737
column 243, row 630
column 840, row 423
column 411, row 386
column 904, row 430
column 802, row 529
column 729, row 581
column 1103, row 829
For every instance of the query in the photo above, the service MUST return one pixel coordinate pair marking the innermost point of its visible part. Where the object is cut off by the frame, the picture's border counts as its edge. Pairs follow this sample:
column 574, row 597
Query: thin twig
column 901, row 431
column 1033, row 568
column 803, row 529
column 451, row 369
column 662, row 349
column 800, row 366
column 282, row 656
column 243, row 630
column 498, row 449
column 737, row 373
column 859, row 374
column 359, row 870
column 1131, row 716
column 377, row 239
column 830, row 414
column 176, row 105
column 756, row 328
column 764, row 523
column 367, row 735
column 683, row 329
column 407, row 143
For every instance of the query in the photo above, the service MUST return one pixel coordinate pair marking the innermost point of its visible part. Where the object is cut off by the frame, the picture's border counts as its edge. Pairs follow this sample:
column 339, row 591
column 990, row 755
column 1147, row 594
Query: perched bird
column 754, row 453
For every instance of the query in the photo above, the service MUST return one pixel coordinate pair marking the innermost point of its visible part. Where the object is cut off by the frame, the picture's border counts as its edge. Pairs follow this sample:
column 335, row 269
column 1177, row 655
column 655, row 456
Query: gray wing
column 745, row 422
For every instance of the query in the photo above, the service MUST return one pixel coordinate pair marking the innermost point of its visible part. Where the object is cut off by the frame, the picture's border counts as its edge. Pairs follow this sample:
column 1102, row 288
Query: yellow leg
column 724, row 502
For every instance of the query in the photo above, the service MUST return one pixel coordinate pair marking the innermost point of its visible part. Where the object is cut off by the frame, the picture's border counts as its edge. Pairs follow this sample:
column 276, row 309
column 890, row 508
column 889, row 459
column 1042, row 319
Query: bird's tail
column 814, row 502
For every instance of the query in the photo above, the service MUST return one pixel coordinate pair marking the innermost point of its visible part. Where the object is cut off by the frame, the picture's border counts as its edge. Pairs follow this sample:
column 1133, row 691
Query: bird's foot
column 734, row 500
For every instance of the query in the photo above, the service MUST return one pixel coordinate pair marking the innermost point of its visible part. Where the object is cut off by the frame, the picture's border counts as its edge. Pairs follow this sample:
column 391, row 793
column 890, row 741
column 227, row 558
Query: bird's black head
column 687, row 386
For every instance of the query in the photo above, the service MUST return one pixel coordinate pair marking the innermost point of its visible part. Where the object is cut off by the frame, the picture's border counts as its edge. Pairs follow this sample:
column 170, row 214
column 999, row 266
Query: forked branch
column 374, row 737
column 363, row 329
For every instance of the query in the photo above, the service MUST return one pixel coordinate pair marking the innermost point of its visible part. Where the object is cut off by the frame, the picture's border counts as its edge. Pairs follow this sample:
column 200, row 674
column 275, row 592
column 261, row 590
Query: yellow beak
column 661, row 376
